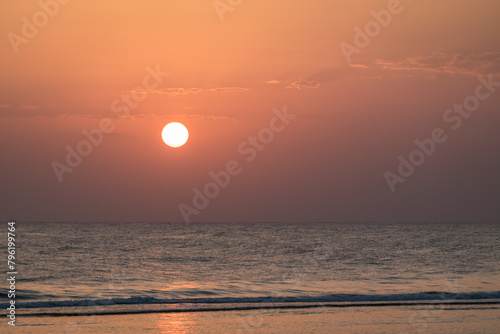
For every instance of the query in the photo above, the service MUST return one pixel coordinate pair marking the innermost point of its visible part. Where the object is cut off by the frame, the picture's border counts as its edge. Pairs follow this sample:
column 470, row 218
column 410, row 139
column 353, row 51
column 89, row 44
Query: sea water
column 89, row 268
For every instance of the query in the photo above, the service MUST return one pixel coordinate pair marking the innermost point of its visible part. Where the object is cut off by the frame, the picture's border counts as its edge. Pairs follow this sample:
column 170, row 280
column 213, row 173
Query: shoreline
column 264, row 307
column 391, row 319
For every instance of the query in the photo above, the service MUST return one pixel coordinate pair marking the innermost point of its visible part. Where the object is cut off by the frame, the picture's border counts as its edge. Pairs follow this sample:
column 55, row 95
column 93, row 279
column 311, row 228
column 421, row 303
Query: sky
column 320, row 110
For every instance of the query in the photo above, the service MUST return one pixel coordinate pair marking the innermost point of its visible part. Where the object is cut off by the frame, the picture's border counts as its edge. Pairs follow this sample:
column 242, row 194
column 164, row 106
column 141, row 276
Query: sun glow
column 175, row 134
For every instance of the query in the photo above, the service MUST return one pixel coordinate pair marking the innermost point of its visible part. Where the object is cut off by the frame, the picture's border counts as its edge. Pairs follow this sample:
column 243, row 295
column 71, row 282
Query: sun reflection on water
column 175, row 323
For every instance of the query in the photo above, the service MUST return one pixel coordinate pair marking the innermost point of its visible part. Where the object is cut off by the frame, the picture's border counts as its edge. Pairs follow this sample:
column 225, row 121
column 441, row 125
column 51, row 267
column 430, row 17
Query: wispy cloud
column 304, row 84
column 207, row 117
column 5, row 106
column 446, row 63
column 176, row 91
column 364, row 67
column 273, row 82
column 210, row 117
column 228, row 89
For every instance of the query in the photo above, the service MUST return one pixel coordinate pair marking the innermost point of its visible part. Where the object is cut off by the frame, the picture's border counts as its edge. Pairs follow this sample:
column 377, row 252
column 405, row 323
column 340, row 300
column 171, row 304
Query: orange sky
column 225, row 77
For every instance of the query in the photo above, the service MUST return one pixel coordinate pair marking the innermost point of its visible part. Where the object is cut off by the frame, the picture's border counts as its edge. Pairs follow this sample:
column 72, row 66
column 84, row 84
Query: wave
column 475, row 305
column 434, row 297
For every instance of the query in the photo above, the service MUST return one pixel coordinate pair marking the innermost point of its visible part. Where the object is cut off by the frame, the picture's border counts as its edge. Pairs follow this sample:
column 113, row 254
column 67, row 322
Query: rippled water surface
column 76, row 264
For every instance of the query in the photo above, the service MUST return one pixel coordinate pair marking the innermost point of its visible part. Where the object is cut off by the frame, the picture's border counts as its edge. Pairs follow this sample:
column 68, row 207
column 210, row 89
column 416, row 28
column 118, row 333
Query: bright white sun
column 175, row 134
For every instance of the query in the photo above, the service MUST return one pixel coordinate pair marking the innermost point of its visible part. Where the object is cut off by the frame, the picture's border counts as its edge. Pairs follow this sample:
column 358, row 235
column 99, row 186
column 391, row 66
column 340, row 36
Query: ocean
column 128, row 268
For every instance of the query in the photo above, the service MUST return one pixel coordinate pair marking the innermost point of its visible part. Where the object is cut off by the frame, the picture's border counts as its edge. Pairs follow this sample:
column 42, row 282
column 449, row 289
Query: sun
column 175, row 134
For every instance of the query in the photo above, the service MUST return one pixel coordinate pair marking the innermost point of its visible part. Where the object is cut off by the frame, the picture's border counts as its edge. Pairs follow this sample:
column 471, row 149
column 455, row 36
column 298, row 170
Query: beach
column 256, row 278
column 404, row 320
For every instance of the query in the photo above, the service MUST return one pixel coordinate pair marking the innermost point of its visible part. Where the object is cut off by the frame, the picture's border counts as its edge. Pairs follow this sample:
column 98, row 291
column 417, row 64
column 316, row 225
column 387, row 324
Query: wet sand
column 391, row 319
